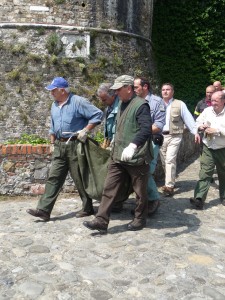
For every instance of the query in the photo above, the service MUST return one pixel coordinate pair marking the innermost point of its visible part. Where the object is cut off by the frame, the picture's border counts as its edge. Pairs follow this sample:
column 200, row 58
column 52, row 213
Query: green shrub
column 28, row 139
column 188, row 43
column 99, row 137
column 54, row 44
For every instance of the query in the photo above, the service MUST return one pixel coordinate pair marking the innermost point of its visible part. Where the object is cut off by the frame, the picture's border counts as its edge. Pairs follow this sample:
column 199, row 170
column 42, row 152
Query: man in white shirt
column 177, row 115
column 212, row 122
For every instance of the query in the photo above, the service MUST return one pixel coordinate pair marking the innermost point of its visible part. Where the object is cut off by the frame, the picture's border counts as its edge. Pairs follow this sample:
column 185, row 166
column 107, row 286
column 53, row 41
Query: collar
column 220, row 113
column 67, row 100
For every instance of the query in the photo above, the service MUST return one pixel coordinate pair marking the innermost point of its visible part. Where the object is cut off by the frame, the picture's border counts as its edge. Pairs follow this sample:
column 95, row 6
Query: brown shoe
column 96, row 225
column 82, row 213
column 153, row 206
column 168, row 191
column 39, row 213
column 163, row 188
column 136, row 225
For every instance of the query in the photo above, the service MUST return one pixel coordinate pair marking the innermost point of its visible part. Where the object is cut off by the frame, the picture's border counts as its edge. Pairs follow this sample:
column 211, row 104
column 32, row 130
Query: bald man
column 205, row 102
column 218, row 86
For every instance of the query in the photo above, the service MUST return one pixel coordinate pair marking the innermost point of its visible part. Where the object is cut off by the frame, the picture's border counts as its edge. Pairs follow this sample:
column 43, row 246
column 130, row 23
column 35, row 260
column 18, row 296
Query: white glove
column 128, row 152
column 82, row 135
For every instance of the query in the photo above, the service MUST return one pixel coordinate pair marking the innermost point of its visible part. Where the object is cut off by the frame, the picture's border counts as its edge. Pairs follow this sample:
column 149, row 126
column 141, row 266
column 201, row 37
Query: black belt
column 165, row 132
column 73, row 138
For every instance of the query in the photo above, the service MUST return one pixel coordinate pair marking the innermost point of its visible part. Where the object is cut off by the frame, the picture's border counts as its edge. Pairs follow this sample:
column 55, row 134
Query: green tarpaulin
column 93, row 162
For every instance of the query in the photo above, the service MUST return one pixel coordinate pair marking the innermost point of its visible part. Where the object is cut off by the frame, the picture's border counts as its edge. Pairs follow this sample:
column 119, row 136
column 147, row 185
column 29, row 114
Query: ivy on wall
column 189, row 45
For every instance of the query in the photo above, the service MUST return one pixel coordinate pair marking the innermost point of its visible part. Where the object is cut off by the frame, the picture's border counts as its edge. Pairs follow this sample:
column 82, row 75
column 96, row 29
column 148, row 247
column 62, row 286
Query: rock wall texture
column 87, row 42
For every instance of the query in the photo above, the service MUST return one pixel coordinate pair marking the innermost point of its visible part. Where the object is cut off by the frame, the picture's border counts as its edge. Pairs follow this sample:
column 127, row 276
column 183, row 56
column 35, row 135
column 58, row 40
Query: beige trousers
column 168, row 154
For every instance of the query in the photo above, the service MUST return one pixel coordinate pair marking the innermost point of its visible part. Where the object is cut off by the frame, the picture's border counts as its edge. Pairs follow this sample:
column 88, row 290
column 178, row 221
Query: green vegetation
column 59, row 1
column 18, row 49
column 40, row 30
column 14, row 74
column 78, row 45
column 54, row 44
column 28, row 139
column 99, row 137
column 189, row 45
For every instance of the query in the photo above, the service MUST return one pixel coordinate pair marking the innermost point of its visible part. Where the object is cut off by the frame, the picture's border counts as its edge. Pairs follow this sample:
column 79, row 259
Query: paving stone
column 179, row 255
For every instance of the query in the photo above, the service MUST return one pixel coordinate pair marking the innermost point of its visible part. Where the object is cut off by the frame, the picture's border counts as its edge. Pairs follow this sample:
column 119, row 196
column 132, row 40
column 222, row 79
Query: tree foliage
column 189, row 45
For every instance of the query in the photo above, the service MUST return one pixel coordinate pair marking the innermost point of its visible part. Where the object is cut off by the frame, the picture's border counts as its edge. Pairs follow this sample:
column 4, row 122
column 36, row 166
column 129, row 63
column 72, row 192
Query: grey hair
column 105, row 88
column 67, row 90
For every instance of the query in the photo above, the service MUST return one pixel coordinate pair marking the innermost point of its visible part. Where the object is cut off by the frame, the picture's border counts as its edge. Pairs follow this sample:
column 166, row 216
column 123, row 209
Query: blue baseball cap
column 57, row 82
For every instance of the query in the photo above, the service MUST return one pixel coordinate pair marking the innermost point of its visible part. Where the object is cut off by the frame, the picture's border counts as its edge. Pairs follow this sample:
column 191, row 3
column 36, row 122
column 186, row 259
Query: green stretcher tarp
column 93, row 162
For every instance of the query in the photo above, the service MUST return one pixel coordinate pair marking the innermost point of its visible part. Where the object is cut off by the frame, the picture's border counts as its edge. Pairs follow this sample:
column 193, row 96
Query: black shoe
column 95, row 225
column 197, row 202
column 82, row 213
column 134, row 225
column 153, row 207
column 39, row 213
column 222, row 201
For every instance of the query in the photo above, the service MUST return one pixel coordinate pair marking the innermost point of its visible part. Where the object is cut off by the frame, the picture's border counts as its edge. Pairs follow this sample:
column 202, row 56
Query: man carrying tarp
column 131, row 154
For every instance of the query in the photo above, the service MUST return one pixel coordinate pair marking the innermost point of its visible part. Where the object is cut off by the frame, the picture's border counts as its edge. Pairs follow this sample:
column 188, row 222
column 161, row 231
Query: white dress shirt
column 214, row 120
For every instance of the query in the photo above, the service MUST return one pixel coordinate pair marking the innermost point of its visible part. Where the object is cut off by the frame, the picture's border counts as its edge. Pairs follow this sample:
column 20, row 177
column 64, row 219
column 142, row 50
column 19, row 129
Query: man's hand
column 197, row 138
column 211, row 131
column 128, row 152
column 82, row 135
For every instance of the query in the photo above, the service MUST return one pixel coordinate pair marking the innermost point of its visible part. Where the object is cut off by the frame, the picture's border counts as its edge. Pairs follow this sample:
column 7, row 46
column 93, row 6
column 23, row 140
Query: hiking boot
column 163, row 188
column 96, row 225
column 197, row 202
column 168, row 191
column 136, row 225
column 39, row 213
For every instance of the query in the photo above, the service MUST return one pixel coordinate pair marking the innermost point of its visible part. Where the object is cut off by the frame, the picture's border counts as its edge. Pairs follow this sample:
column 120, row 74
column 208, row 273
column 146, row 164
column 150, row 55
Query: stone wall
column 24, row 168
column 87, row 42
column 128, row 15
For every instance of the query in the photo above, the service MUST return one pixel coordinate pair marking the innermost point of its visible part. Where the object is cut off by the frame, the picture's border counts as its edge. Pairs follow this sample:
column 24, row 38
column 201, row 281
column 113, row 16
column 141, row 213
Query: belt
column 165, row 132
column 66, row 139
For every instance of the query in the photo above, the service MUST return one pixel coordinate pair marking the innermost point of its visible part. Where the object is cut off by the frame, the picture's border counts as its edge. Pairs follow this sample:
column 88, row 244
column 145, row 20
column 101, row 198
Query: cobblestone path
column 179, row 255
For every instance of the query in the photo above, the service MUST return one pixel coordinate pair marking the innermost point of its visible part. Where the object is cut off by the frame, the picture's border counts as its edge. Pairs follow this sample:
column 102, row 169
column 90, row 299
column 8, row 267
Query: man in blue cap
column 69, row 114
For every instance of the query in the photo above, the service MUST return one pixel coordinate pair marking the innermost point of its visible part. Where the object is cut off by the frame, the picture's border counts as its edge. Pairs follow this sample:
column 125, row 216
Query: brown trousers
column 114, row 183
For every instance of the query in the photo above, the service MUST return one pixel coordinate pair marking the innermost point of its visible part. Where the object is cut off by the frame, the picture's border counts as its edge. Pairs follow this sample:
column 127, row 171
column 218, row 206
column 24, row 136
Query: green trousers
column 64, row 160
column 208, row 160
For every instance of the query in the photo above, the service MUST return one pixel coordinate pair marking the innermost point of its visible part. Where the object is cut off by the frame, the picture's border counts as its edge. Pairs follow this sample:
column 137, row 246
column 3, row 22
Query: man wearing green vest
column 130, row 155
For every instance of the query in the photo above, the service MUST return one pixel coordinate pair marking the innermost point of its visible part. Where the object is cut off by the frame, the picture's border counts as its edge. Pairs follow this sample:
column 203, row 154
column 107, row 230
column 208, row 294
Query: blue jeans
column 152, row 190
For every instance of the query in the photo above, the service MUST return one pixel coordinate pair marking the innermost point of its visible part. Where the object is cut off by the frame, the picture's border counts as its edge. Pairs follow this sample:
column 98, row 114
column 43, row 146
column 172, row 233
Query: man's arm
column 188, row 119
column 158, row 116
column 144, row 120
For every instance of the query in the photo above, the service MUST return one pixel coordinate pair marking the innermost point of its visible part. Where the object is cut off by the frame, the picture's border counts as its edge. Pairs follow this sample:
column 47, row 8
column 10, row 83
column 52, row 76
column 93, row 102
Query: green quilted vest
column 126, row 129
